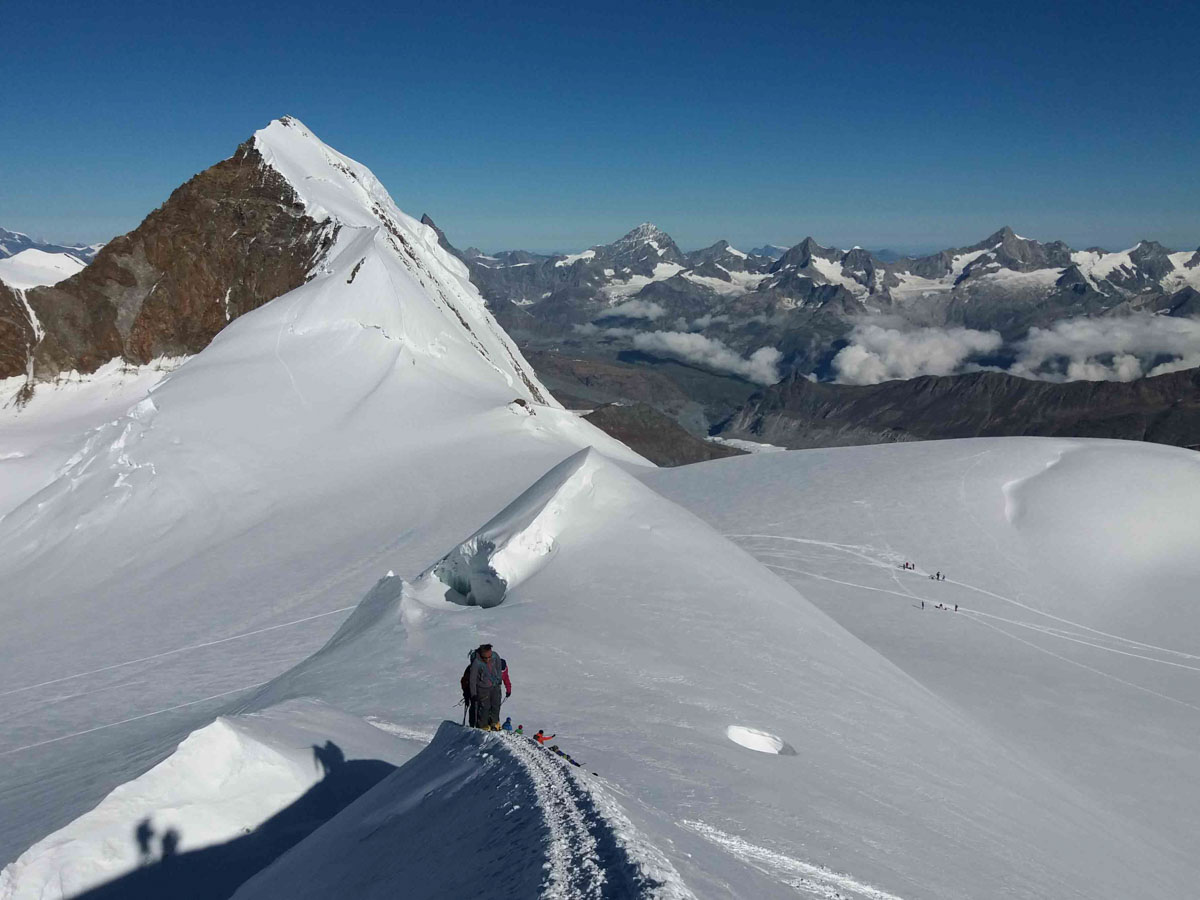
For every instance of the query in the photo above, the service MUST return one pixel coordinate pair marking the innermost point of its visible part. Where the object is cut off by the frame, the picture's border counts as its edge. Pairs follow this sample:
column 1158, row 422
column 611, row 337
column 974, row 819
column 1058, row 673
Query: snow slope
column 217, row 529
column 32, row 268
column 1074, row 566
column 37, row 439
column 666, row 659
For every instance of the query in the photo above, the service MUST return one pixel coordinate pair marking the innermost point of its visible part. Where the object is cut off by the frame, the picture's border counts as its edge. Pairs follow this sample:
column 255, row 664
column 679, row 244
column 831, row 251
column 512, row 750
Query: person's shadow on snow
column 144, row 835
column 209, row 873
column 170, row 843
column 329, row 758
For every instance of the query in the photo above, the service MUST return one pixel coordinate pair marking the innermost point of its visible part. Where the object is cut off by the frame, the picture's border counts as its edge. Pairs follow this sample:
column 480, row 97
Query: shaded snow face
column 519, row 541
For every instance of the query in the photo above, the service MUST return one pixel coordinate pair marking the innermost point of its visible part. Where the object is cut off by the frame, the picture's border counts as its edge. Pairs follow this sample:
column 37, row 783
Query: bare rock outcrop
column 229, row 240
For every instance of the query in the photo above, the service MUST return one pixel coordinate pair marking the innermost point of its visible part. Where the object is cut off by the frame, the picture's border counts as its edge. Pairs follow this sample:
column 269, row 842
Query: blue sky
column 907, row 126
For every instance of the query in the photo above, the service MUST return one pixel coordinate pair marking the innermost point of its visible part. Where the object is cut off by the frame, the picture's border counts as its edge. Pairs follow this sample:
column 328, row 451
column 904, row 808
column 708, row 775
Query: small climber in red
column 542, row 738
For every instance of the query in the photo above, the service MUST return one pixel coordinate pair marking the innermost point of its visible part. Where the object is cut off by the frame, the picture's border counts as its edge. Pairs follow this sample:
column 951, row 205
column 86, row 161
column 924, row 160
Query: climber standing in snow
column 488, row 675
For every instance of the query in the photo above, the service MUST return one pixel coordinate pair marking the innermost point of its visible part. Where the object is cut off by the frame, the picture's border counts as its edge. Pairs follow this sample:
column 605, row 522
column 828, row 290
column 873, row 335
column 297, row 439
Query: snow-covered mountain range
column 807, row 298
column 696, row 334
column 245, row 554
column 14, row 242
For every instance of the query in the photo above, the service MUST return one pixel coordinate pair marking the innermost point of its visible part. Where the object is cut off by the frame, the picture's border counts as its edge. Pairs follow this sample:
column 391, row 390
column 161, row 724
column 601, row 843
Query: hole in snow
column 469, row 575
column 762, row 741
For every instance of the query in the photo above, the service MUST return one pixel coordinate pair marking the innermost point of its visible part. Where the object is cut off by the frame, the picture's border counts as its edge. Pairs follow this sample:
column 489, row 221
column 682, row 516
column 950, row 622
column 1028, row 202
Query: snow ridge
column 481, row 806
column 345, row 195
column 589, row 854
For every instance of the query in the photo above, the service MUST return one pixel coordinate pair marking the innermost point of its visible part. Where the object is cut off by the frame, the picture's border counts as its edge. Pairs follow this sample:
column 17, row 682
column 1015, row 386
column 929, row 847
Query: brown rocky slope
column 229, row 240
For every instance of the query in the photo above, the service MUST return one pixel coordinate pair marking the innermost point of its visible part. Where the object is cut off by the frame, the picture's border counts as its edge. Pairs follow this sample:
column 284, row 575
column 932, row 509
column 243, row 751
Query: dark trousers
column 487, row 707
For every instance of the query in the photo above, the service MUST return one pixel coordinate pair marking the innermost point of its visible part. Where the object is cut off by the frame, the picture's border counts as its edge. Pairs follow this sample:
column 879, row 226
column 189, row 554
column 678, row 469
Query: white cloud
column 761, row 366
column 1109, row 349
column 878, row 354
column 633, row 309
column 591, row 329
column 700, row 323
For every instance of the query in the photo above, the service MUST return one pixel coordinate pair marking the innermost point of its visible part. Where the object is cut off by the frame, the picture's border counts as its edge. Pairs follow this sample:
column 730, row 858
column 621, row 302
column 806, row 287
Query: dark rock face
column 802, row 414
column 658, row 438
column 229, row 240
column 691, row 397
column 1184, row 303
column 17, row 335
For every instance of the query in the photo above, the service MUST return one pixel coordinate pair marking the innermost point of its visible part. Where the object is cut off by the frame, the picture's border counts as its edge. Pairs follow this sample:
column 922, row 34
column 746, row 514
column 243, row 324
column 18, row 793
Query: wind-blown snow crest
column 520, row 540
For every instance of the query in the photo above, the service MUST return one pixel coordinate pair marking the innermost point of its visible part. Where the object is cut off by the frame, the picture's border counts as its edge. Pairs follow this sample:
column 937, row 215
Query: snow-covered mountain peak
column 429, row 304
column 331, row 185
column 644, row 232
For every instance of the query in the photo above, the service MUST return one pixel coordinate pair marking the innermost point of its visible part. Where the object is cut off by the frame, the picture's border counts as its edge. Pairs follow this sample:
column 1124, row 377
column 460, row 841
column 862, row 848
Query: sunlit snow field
column 232, row 588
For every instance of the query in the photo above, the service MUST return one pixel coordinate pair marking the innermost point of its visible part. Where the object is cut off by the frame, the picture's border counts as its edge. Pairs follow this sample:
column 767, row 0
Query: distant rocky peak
column 441, row 236
column 770, row 251
column 802, row 254
column 1021, row 254
column 644, row 232
column 645, row 246
column 1152, row 260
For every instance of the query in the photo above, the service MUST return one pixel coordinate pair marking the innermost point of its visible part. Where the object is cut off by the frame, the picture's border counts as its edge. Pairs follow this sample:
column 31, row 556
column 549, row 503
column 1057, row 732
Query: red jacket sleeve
column 507, row 683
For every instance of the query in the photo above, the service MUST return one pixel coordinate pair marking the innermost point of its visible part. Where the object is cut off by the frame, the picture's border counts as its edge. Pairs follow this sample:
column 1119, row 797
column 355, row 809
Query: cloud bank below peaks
column 1111, row 349
column 761, row 366
column 878, row 354
column 1119, row 348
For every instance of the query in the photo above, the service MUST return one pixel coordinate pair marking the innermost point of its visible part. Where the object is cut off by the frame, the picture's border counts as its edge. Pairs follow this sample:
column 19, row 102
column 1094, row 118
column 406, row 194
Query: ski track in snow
column 814, row 880
column 165, row 653
column 588, row 857
column 876, row 562
column 1124, row 645
column 157, row 712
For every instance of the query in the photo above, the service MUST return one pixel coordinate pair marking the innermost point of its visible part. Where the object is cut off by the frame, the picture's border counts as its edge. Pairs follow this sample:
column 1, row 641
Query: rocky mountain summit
column 226, row 242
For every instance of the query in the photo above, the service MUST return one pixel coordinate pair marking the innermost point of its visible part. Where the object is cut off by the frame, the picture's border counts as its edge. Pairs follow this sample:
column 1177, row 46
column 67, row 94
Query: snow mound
column 472, row 812
column 224, row 781
column 522, row 538
column 756, row 739
column 34, row 268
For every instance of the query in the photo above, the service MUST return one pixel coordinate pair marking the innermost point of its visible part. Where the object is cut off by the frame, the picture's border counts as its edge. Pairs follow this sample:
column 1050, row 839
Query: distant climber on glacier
column 487, row 675
column 507, row 726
